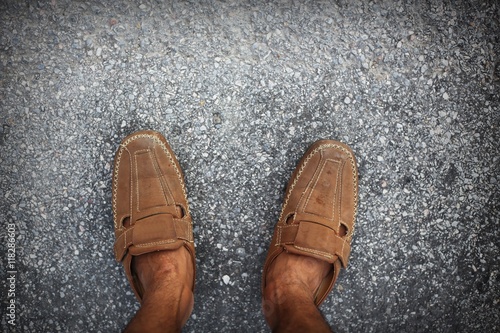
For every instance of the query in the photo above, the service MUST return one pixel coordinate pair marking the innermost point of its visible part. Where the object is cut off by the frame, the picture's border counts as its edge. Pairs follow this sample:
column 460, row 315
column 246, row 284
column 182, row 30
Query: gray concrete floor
column 240, row 91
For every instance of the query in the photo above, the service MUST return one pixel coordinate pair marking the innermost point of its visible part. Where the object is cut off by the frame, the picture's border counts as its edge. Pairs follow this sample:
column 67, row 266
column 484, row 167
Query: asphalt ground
column 240, row 91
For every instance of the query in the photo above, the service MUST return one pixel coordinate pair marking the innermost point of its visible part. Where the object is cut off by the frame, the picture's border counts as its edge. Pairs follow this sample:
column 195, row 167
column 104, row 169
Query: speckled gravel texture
column 240, row 92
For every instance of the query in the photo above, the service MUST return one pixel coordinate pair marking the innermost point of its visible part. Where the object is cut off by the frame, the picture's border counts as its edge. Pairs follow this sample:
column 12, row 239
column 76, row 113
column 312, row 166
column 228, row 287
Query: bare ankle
column 166, row 279
column 158, row 269
column 297, row 272
column 288, row 295
column 279, row 293
column 291, row 308
column 167, row 305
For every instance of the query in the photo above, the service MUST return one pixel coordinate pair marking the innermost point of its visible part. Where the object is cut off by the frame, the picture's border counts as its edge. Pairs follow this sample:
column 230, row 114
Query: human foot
column 150, row 211
column 157, row 269
column 316, row 223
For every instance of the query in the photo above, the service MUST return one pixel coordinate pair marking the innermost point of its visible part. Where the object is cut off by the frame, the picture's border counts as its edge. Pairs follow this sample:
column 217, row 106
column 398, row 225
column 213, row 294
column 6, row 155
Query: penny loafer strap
column 302, row 238
column 153, row 233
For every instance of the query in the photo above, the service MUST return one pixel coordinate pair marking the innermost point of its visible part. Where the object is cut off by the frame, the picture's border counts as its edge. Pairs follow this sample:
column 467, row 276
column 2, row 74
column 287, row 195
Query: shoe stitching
column 314, row 187
column 125, row 239
column 164, row 186
column 321, row 253
column 316, row 175
column 339, row 181
column 190, row 232
column 343, row 246
column 280, row 228
column 279, row 236
column 137, row 179
column 299, row 173
column 154, row 161
column 131, row 187
column 168, row 241
column 115, row 190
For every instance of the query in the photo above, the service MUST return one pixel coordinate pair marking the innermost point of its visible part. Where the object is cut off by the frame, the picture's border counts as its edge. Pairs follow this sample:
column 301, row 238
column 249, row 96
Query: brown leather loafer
column 150, row 207
column 319, row 211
